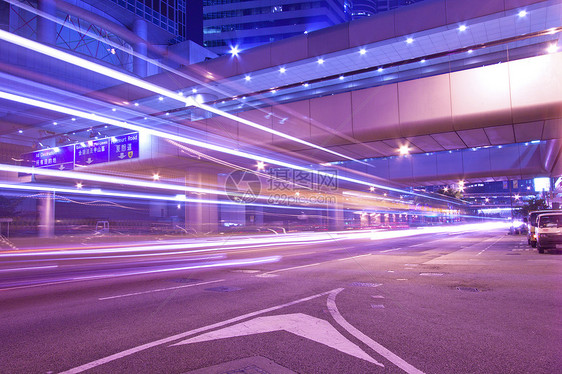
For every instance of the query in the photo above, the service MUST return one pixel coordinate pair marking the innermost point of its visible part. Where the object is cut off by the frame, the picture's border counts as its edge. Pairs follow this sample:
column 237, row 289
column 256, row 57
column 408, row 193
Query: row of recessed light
column 234, row 51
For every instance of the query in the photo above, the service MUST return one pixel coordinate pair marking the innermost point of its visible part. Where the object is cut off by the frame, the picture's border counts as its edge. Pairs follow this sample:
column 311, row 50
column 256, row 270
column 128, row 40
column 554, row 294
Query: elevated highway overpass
column 472, row 93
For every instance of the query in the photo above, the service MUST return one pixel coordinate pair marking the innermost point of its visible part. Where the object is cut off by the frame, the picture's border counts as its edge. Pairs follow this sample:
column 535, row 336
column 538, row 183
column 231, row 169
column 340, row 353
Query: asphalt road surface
column 463, row 302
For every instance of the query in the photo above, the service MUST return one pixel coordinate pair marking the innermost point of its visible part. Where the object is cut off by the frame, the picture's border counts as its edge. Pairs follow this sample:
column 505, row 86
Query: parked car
column 532, row 223
column 549, row 231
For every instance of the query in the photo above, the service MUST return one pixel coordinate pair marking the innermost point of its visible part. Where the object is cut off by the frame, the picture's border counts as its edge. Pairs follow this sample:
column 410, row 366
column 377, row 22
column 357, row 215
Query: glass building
column 366, row 8
column 246, row 24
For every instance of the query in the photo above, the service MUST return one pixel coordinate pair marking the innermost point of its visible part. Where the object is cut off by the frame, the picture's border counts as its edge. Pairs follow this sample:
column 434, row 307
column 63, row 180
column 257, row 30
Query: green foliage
column 457, row 194
column 9, row 206
column 533, row 204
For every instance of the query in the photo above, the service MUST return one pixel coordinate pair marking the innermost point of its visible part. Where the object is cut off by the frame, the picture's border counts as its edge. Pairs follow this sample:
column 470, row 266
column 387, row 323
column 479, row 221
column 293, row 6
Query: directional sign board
column 124, row 147
column 61, row 158
column 92, row 152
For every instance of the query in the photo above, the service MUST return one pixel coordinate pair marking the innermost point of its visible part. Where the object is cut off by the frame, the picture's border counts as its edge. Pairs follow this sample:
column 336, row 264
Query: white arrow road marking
column 184, row 335
column 300, row 324
column 365, row 339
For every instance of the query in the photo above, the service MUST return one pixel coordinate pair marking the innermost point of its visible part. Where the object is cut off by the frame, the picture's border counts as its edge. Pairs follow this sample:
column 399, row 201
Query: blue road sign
column 92, row 152
column 61, row 158
column 124, row 147
column 117, row 148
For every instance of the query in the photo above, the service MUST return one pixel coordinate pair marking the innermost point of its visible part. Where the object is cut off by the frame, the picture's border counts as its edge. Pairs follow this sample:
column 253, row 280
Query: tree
column 9, row 206
column 533, row 204
column 457, row 194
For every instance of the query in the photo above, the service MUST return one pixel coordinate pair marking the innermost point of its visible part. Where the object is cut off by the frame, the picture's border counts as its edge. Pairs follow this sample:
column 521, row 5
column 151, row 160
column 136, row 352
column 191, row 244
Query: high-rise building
column 246, row 24
column 366, row 8
column 108, row 30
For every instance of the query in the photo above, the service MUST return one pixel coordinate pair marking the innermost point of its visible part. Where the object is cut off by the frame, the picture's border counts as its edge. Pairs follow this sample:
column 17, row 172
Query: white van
column 532, row 223
column 549, row 231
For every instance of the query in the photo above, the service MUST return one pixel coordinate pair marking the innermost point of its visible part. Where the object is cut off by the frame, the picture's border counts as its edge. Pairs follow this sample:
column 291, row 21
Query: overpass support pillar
column 335, row 214
column 47, row 215
column 140, row 28
column 46, row 30
column 254, row 215
column 365, row 221
column 202, row 216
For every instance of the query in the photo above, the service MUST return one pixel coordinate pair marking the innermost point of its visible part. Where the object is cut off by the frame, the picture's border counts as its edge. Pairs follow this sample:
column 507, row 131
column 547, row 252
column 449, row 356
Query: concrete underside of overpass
column 494, row 122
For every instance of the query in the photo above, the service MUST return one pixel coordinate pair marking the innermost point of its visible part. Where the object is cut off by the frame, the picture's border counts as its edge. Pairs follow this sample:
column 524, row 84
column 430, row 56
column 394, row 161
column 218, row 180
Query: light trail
column 128, row 51
column 197, row 245
column 208, row 265
column 106, row 179
column 193, row 246
column 125, row 78
column 165, row 135
column 130, row 195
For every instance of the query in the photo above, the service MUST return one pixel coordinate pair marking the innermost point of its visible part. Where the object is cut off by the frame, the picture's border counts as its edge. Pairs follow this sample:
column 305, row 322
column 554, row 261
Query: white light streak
column 105, row 179
column 188, row 101
column 180, row 139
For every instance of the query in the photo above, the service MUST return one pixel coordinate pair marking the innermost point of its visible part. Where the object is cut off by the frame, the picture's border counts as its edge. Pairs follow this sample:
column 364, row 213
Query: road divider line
column 292, row 268
column 390, row 250
column 159, row 289
column 350, row 258
column 263, row 275
column 128, row 352
column 482, row 251
column 377, row 347
column 28, row 268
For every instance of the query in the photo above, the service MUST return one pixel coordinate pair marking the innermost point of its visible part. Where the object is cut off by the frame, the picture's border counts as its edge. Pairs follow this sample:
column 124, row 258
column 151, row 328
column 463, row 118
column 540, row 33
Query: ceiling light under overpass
column 404, row 150
column 234, row 50
column 260, row 165
column 553, row 48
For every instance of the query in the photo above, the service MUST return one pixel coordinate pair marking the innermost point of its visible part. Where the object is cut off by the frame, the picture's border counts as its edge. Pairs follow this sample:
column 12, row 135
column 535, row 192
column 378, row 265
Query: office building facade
column 366, row 8
column 246, row 24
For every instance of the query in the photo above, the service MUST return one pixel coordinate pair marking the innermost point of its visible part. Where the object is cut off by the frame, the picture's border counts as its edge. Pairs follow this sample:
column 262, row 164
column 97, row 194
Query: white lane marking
column 87, row 278
column 401, row 279
column 364, row 284
column 431, row 274
column 245, row 271
column 482, row 251
column 268, row 273
column 303, row 254
column 419, row 245
column 29, row 268
column 365, row 339
column 116, row 356
column 378, row 297
column 349, row 258
column 390, row 250
column 300, row 324
column 259, row 260
column 291, row 268
column 377, row 306
column 159, row 289
column 34, row 285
